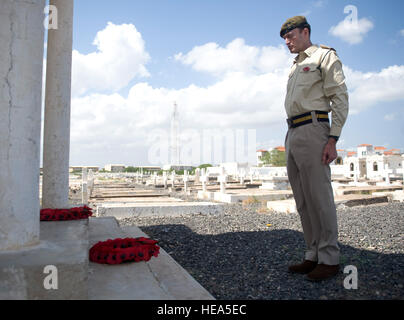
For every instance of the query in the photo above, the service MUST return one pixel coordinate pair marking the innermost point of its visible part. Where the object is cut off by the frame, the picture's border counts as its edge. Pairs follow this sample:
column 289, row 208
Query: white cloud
column 120, row 57
column 352, row 31
column 371, row 88
column 235, row 57
column 402, row 32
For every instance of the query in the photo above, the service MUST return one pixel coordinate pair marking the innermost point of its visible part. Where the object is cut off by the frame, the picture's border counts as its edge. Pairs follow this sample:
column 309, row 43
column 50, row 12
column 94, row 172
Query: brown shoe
column 323, row 272
column 305, row 267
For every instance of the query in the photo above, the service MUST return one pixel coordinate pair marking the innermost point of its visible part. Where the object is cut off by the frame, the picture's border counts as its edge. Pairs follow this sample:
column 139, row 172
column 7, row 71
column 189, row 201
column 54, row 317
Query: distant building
column 114, row 167
column 80, row 168
column 369, row 162
column 379, row 150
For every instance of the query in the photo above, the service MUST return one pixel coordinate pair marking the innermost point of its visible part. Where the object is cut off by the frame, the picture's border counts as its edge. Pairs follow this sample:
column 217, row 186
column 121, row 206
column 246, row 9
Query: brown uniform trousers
column 311, row 184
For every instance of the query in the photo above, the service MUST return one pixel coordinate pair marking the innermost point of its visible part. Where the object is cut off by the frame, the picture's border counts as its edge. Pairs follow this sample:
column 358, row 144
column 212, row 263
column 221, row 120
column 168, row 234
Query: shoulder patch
column 326, row 47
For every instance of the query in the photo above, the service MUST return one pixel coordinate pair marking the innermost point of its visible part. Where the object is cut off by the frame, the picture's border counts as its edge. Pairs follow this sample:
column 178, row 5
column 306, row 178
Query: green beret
column 292, row 23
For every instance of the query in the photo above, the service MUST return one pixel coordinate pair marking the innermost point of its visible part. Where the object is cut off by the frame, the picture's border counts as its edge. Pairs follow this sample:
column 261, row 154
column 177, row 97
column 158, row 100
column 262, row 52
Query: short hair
column 305, row 26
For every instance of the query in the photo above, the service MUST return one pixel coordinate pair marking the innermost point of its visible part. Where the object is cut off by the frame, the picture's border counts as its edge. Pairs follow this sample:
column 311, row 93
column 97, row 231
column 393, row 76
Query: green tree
column 274, row 158
column 206, row 165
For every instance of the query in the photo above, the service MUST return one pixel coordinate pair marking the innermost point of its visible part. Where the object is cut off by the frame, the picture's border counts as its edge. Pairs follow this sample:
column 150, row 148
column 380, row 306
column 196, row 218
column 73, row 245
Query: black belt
column 306, row 118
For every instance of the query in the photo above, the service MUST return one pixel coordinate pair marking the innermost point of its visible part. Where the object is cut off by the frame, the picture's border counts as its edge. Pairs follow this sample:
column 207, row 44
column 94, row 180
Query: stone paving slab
column 288, row 206
column 232, row 196
column 99, row 201
column 127, row 210
column 352, row 190
column 161, row 278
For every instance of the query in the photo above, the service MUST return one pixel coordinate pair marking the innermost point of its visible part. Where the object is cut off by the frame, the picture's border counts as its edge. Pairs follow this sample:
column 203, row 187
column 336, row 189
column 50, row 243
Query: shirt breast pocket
column 309, row 75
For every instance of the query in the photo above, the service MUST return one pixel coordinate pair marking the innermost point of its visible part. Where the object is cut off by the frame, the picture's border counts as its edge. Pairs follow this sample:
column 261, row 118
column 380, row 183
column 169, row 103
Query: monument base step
column 63, row 248
column 161, row 278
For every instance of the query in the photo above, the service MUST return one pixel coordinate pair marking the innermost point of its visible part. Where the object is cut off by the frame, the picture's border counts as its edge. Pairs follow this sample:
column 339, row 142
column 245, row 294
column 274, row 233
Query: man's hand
column 330, row 151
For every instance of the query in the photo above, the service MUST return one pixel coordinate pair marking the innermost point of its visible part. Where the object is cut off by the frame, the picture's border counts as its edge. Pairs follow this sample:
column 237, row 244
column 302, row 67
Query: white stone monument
column 197, row 176
column 222, row 180
column 90, row 182
column 402, row 168
column 173, row 179
column 242, row 176
column 185, row 179
column 84, row 175
column 204, row 180
column 84, row 186
column 165, row 179
column 154, row 178
column 387, row 174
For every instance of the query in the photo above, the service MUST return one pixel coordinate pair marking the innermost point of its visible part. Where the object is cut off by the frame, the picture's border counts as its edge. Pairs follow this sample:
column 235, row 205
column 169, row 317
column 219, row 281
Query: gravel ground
column 244, row 252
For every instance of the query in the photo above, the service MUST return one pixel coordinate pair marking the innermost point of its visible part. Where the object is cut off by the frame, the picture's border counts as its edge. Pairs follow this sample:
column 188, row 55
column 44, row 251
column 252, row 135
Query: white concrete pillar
column 55, row 190
column 21, row 61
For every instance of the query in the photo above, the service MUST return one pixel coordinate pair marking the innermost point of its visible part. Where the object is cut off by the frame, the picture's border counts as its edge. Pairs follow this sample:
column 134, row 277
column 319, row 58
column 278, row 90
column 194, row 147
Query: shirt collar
column 308, row 52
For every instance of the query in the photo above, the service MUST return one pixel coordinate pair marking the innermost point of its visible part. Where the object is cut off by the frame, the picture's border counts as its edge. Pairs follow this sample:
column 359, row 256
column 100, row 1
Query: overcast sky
column 226, row 66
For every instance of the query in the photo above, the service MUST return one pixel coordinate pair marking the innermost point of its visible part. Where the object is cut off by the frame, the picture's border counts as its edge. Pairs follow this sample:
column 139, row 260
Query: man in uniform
column 316, row 86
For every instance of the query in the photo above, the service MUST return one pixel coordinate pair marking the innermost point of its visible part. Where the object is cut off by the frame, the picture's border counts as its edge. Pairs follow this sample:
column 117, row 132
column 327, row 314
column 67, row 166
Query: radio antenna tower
column 175, row 154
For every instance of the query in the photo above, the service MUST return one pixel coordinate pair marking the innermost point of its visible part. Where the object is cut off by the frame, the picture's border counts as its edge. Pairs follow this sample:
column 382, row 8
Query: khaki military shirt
column 309, row 89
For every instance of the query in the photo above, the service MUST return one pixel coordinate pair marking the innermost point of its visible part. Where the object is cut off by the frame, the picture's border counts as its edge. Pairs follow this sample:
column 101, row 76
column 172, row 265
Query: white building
column 114, row 167
column 368, row 162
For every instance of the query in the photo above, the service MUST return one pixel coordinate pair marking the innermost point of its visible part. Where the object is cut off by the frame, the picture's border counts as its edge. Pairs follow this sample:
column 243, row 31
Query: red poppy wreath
column 66, row 214
column 124, row 250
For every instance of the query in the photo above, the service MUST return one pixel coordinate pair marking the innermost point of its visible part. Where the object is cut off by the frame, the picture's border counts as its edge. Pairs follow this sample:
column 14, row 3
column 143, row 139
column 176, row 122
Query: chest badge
column 306, row 69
